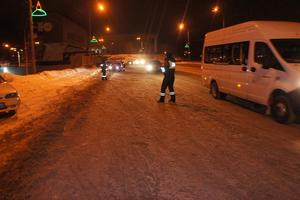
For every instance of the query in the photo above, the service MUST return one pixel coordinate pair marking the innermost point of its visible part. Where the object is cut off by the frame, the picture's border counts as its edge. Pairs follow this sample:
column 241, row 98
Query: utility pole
column 26, row 51
column 32, row 38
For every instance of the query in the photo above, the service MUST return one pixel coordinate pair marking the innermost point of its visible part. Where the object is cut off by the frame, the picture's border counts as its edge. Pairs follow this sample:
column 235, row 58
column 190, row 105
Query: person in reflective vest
column 169, row 77
column 103, row 66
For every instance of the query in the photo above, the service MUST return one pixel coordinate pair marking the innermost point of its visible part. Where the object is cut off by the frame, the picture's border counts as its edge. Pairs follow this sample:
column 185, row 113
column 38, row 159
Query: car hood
column 5, row 89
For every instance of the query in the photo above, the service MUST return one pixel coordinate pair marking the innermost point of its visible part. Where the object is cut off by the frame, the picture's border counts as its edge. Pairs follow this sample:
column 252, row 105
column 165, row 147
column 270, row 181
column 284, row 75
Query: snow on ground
column 123, row 145
column 40, row 93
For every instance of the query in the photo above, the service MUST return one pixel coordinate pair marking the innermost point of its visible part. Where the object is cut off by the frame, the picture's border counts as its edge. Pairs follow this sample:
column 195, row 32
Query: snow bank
column 41, row 93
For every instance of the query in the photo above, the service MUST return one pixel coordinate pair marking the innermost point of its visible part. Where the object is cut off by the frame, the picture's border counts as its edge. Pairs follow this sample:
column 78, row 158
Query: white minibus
column 257, row 61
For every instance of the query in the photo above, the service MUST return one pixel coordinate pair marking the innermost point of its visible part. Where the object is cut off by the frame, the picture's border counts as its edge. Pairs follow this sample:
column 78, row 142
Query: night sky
column 150, row 16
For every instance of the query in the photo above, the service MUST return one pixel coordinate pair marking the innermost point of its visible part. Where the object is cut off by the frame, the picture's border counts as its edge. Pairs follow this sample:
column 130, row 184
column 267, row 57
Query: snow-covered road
column 113, row 141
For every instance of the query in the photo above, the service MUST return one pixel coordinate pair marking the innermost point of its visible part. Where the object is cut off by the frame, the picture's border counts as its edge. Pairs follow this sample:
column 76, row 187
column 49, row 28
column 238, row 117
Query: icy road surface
column 113, row 141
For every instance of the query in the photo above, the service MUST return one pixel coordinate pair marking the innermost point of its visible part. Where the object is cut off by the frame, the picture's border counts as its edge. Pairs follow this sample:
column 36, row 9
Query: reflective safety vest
column 172, row 65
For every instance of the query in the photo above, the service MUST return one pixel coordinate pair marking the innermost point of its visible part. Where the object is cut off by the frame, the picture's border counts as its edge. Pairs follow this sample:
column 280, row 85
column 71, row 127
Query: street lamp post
column 217, row 10
column 101, row 8
column 32, row 38
column 181, row 27
column 141, row 43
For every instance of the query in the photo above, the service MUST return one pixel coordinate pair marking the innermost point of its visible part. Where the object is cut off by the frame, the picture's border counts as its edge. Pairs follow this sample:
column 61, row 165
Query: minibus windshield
column 289, row 49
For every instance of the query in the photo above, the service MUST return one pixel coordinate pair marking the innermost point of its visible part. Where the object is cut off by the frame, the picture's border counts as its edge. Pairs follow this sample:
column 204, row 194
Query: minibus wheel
column 282, row 110
column 214, row 90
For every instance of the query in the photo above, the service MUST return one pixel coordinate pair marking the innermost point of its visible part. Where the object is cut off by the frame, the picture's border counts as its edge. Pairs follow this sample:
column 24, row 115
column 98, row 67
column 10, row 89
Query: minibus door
column 262, row 73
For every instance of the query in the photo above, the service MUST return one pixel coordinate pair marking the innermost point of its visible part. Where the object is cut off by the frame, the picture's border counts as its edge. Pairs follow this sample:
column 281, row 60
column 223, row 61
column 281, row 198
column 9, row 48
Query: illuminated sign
column 39, row 12
column 94, row 40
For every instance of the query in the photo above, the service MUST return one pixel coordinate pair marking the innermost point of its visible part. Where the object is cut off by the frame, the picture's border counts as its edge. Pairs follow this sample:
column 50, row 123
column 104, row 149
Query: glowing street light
column 215, row 9
column 6, row 45
column 107, row 29
column 101, row 7
column 181, row 26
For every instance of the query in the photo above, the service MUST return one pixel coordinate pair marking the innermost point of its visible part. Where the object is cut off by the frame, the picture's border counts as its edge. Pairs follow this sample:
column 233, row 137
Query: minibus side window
column 213, row 54
column 264, row 56
column 227, row 54
column 240, row 53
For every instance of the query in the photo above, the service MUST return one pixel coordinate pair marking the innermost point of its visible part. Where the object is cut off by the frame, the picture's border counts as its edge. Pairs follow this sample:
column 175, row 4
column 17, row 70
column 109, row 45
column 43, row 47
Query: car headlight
column 149, row 68
column 142, row 61
column 5, row 70
column 117, row 67
column 136, row 62
column 110, row 67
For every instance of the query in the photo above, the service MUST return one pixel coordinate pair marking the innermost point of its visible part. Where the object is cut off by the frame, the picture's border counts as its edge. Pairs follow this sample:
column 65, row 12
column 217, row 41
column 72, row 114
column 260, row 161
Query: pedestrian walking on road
column 169, row 77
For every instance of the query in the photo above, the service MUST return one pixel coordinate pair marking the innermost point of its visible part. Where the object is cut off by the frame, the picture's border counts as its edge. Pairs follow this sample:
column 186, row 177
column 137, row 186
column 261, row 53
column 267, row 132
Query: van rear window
column 229, row 54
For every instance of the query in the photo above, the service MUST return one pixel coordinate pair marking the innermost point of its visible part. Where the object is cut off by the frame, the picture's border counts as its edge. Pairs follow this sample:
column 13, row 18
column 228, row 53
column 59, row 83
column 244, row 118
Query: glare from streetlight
column 6, row 45
column 108, row 29
column 101, row 7
column 216, row 9
column 181, row 26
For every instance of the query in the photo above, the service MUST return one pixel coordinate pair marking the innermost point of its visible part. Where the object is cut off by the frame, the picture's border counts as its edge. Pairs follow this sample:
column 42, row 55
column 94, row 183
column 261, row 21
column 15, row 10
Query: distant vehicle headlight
column 136, row 62
column 149, row 68
column 5, row 70
column 117, row 67
column 142, row 61
column 110, row 67
column 130, row 63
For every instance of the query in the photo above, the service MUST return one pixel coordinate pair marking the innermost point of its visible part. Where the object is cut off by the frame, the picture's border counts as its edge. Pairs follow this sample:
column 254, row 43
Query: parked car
column 153, row 66
column 9, row 97
column 258, row 61
column 116, row 66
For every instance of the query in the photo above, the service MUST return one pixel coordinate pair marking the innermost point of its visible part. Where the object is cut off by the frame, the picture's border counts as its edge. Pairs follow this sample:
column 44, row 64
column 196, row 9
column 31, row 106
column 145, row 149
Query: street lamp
column 107, row 29
column 216, row 10
column 141, row 43
column 181, row 28
column 6, row 45
column 101, row 8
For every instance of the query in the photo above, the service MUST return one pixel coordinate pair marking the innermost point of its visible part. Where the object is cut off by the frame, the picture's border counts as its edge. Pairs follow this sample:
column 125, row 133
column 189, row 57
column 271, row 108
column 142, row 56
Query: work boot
column 173, row 99
column 161, row 100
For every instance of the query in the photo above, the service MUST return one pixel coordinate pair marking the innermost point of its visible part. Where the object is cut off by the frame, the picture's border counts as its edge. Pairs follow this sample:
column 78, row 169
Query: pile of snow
column 41, row 93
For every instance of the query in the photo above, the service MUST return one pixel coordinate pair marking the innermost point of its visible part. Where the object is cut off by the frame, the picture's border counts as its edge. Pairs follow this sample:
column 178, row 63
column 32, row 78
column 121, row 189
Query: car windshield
column 289, row 49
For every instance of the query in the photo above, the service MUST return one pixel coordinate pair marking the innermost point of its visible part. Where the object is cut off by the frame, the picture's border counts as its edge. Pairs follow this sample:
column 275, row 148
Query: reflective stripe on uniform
column 172, row 65
column 103, row 76
column 172, row 93
column 162, row 94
